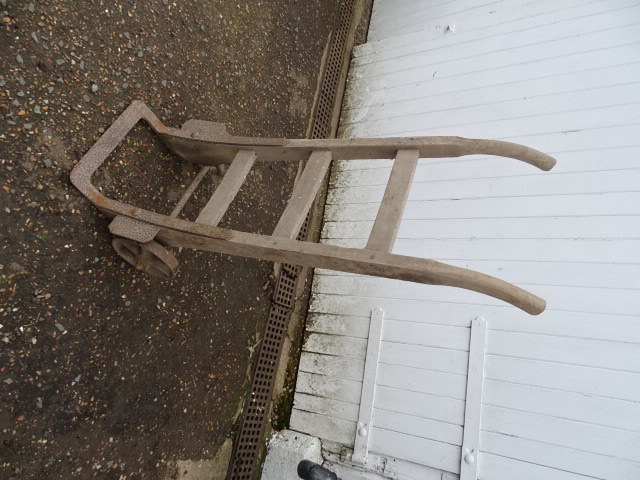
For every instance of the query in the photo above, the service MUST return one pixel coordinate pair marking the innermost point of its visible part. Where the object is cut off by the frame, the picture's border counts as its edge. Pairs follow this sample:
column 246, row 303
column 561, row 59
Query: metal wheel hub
column 150, row 257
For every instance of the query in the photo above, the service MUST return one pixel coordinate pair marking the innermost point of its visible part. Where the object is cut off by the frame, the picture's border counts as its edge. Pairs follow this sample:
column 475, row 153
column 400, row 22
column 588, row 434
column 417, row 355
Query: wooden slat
column 423, row 405
column 357, row 327
column 565, row 378
column 217, row 205
column 304, row 193
column 387, row 223
column 561, row 458
column 326, row 406
column 192, row 188
column 325, row 427
column 497, row 467
column 423, row 381
column 611, row 442
column 418, row 426
column 331, row 366
column 414, row 449
column 329, row 387
column 145, row 232
column 349, row 347
column 606, row 412
column 427, row 358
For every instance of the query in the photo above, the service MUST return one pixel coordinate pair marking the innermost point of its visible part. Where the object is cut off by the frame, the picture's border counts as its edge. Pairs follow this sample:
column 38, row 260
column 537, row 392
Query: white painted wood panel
column 617, row 328
column 562, row 390
column 499, row 467
column 582, row 436
column 421, row 405
column 593, row 409
column 417, row 449
column 615, row 384
column 326, row 406
column 560, row 458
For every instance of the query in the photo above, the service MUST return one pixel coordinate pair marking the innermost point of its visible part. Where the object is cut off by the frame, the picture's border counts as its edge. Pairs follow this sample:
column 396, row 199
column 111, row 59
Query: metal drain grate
column 256, row 412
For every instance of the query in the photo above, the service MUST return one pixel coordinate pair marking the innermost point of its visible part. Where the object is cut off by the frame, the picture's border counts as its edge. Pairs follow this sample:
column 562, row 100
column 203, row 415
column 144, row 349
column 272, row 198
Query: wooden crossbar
column 222, row 197
column 385, row 228
column 304, row 193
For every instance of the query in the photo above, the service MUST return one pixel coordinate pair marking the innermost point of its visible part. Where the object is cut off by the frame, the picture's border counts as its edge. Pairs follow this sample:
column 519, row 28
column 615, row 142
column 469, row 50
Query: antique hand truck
column 140, row 235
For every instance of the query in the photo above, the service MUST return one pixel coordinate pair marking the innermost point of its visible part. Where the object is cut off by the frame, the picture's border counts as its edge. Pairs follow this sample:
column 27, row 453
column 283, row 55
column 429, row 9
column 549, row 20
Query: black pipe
column 312, row 471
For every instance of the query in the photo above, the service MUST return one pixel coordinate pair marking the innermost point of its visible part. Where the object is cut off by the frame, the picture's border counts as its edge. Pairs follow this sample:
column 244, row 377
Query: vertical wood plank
column 365, row 415
column 219, row 202
column 473, row 405
column 304, row 193
column 387, row 223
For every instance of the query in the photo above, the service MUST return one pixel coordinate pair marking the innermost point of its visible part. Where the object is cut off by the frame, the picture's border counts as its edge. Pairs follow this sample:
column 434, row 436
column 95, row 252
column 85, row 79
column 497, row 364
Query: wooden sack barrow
column 140, row 235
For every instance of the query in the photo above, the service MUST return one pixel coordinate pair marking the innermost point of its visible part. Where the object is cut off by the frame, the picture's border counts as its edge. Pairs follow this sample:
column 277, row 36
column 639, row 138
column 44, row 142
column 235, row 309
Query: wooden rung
column 143, row 232
column 187, row 194
column 222, row 197
column 385, row 228
column 304, row 193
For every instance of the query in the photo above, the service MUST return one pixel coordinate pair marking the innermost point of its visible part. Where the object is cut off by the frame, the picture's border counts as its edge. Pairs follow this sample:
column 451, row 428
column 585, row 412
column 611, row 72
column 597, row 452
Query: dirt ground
column 105, row 372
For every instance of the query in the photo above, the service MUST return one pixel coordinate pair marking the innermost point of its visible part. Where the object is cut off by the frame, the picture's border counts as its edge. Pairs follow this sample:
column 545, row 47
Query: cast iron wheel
column 150, row 257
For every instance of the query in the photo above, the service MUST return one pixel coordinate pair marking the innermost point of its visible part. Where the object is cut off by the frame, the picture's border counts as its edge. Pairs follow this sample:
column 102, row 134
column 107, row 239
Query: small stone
column 127, row 35
column 60, row 327
column 127, row 71
column 50, row 89
column 94, row 87
column 164, row 83
column 20, row 93
column 47, row 162
column 125, row 85
column 27, row 126
column 45, row 45
column 34, row 35
column 141, row 53
column 15, row 103
column 60, row 61
column 36, row 109
column 86, row 98
column 31, row 7
column 8, row 381
column 165, row 2
column 170, row 55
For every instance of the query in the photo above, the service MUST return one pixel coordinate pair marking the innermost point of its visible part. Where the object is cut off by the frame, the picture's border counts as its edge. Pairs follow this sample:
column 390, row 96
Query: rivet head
column 362, row 432
column 469, row 459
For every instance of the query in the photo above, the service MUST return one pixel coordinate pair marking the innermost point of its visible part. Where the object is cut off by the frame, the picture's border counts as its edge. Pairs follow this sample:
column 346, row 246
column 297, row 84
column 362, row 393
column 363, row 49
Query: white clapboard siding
column 561, row 391
column 615, row 328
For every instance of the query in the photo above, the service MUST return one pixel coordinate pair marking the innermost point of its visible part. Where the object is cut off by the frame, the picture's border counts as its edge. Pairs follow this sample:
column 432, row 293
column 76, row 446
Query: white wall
column 562, row 390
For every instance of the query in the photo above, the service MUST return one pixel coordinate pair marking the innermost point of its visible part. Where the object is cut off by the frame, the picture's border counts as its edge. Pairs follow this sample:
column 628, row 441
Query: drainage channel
column 248, row 442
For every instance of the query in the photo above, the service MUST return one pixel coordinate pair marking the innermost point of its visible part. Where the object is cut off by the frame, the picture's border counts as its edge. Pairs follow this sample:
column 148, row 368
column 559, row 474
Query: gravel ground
column 105, row 372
